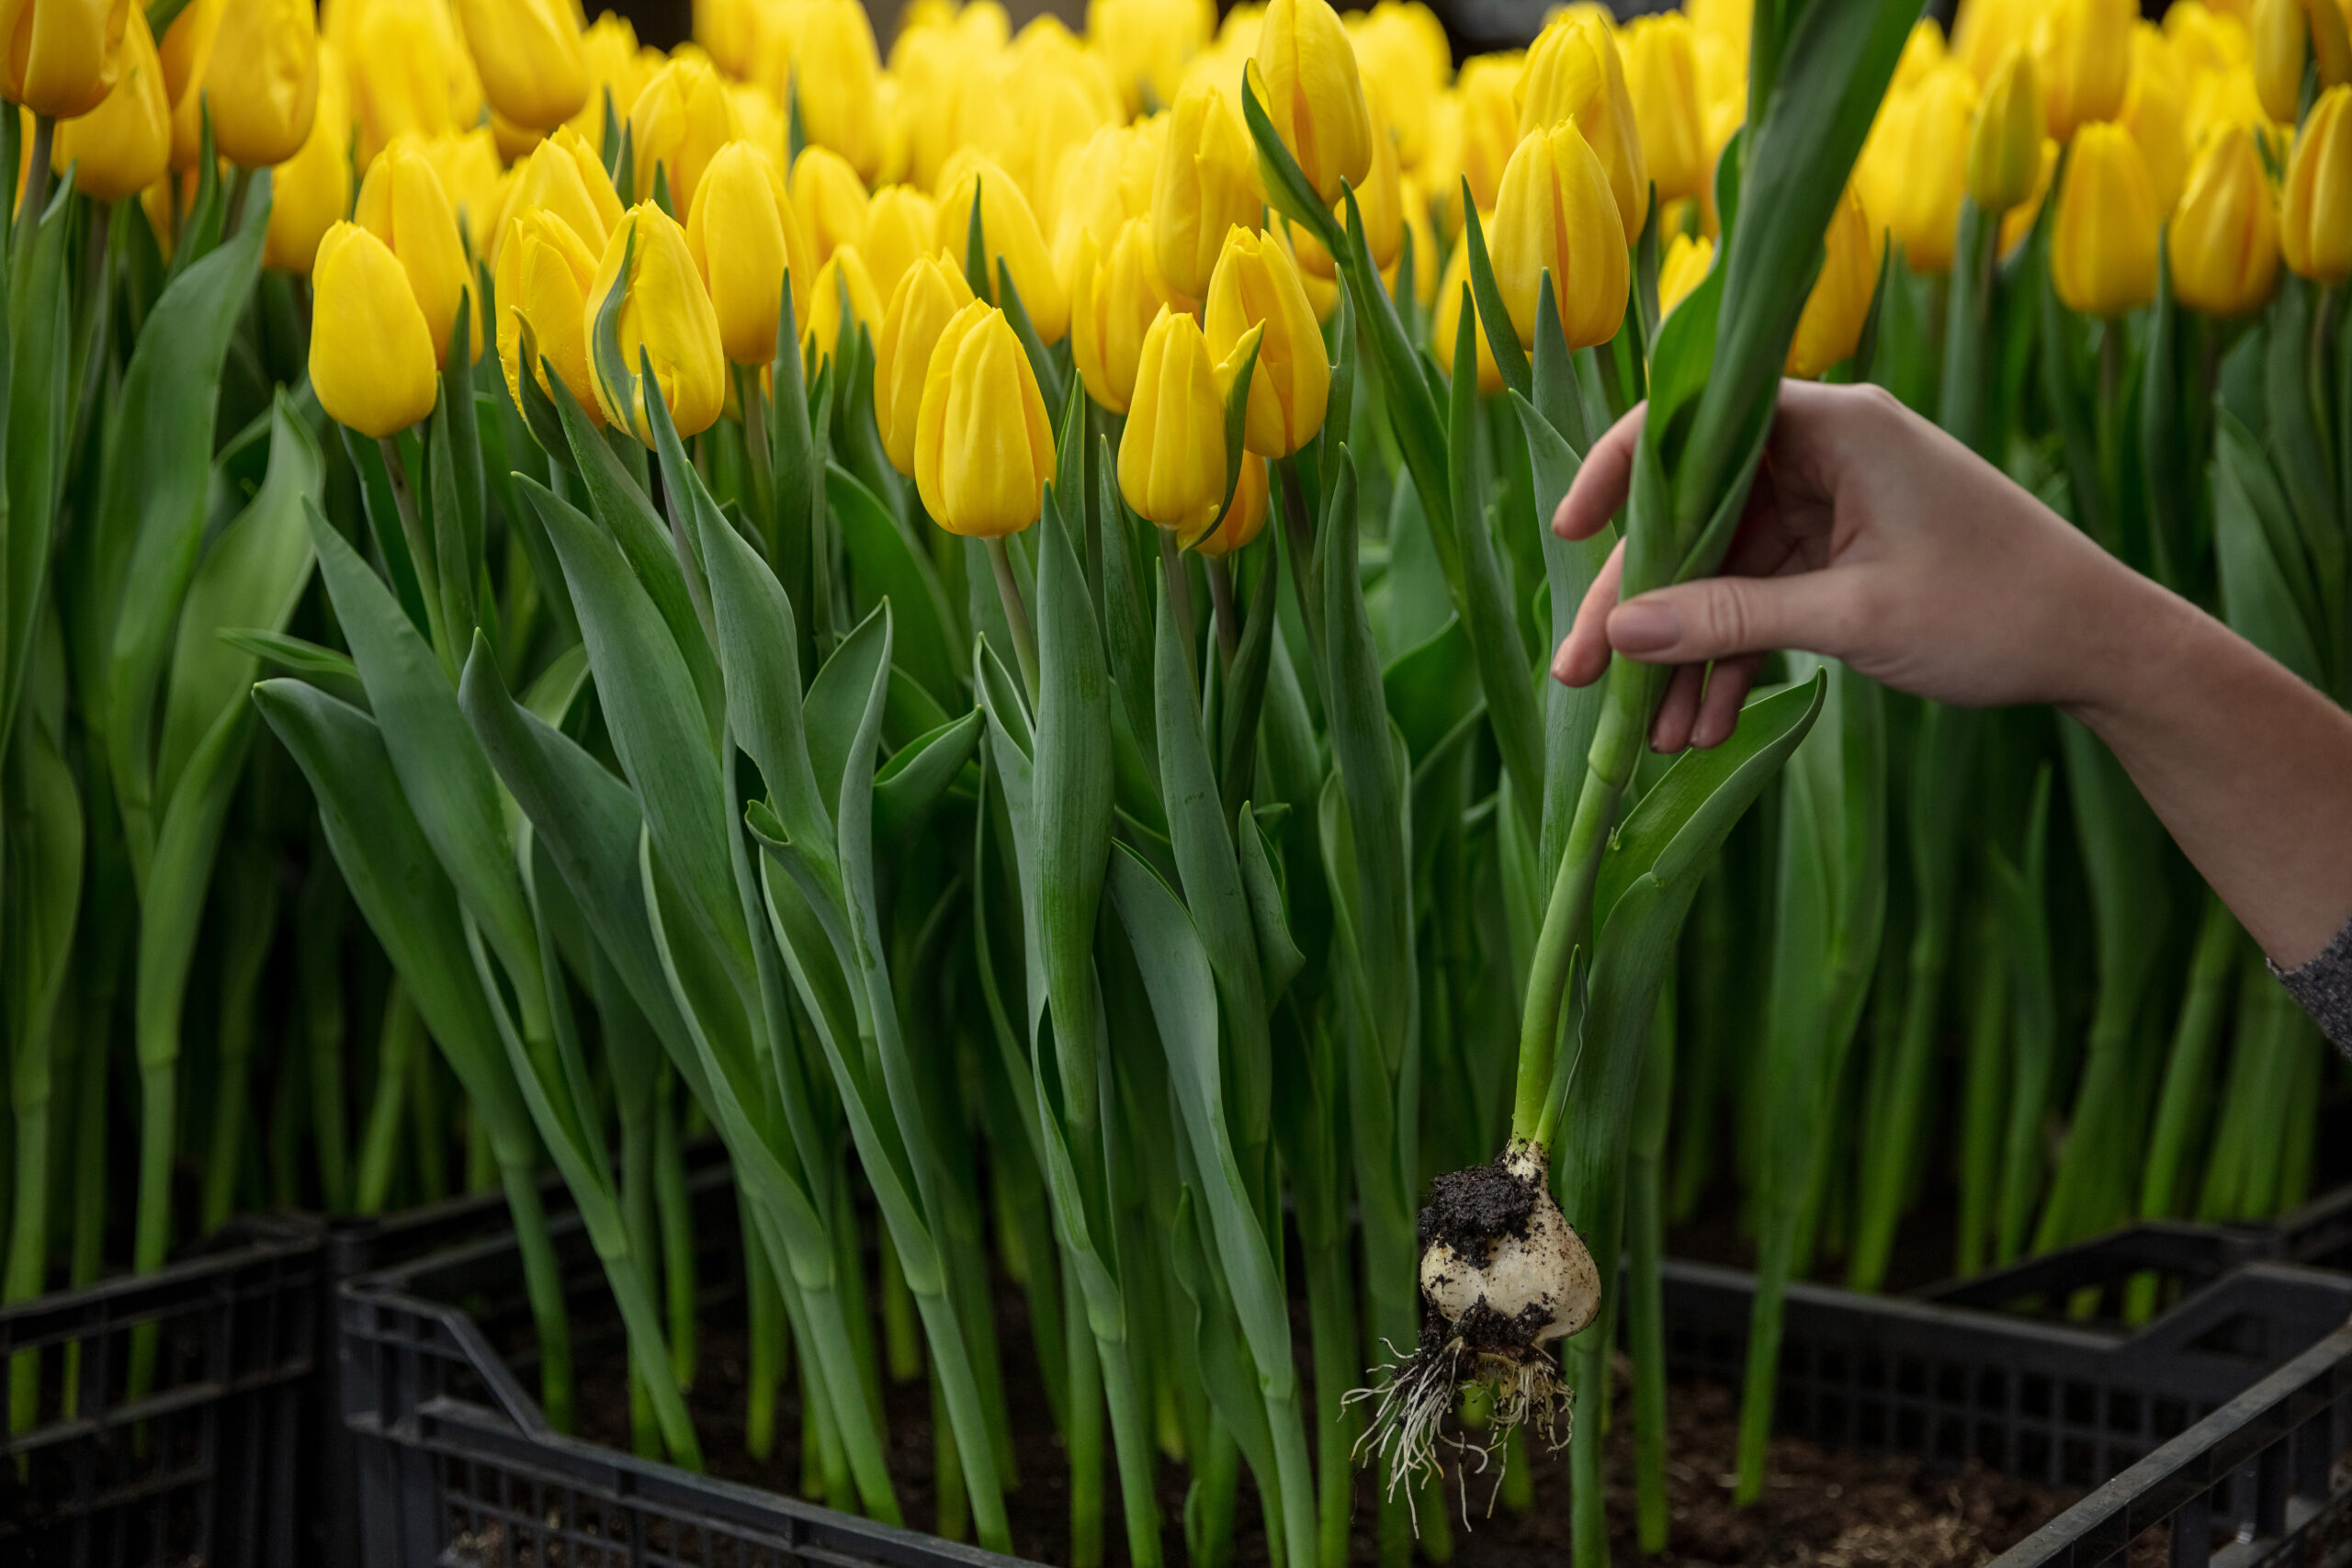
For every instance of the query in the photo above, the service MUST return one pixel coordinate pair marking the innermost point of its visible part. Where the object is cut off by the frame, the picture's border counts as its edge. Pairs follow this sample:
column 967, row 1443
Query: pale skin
column 1874, row 537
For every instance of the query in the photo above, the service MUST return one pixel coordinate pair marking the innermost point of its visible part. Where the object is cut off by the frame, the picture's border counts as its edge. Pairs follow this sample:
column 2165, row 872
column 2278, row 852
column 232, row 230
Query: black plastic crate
column 205, row 1464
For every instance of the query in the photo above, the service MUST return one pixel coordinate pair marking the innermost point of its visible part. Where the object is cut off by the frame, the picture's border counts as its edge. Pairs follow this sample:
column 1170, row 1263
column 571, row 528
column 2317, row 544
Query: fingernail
column 1643, row 629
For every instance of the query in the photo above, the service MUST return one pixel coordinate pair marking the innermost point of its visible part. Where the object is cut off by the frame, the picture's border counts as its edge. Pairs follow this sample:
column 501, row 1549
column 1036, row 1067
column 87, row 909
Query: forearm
column 2247, row 766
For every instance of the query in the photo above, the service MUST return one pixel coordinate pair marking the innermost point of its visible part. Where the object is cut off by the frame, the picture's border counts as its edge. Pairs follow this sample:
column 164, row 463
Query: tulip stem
column 1180, row 586
column 1016, row 616
column 1301, row 542
column 1229, row 627
column 757, row 456
column 420, row 552
column 37, row 176
column 240, row 183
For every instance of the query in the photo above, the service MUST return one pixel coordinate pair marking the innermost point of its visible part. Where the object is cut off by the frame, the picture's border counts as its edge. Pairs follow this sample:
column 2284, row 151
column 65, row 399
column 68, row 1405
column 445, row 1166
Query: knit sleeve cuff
column 2323, row 989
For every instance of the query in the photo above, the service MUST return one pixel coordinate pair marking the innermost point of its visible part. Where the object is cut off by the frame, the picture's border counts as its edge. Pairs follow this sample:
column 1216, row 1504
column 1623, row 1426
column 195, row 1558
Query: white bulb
column 1541, row 1277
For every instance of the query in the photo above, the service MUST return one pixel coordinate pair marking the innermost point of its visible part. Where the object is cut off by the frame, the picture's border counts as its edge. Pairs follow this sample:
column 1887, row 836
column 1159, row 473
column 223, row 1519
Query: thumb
column 1723, row 617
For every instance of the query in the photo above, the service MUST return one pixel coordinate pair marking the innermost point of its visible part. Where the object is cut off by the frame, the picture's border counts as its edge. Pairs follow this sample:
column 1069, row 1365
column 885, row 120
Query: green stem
column 1016, row 616
column 543, row 1285
column 1131, row 1439
column 1180, row 589
column 1331, row 1319
column 27, row 1247
column 1228, row 621
column 902, row 1341
column 763, row 1306
column 960, row 1391
column 644, row 1241
column 1083, row 1430
column 380, row 1140
column 678, row 1271
column 152, row 1228
column 1891, row 1145
column 1645, row 1295
column 1217, row 1482
column 953, row 1517
column 420, row 551
column 432, row 1130
column 1983, row 1087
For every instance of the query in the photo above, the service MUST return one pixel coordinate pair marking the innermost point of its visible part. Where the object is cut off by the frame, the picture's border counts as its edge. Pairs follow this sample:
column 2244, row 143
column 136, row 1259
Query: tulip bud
column 831, row 201
column 2154, row 105
column 1662, row 79
column 1171, row 456
column 125, row 144
column 1684, row 268
column 841, row 301
column 984, row 449
column 1313, row 94
column 1009, row 232
column 1148, row 41
column 1426, row 249
column 1984, row 31
column 1245, row 517
column 185, row 50
column 1574, row 73
column 63, row 56
column 371, row 351
column 740, row 238
column 2082, row 51
column 2103, row 244
column 730, row 30
column 1207, row 184
column 928, row 297
column 2223, row 241
column 2018, row 220
column 2315, row 221
column 1257, row 288
column 410, row 72
column 263, row 82
column 1454, row 297
column 2004, row 144
column 310, row 192
column 1405, row 60
column 617, row 71
column 1555, row 216
column 826, row 55
column 545, row 271
column 1831, row 325
column 662, row 315
column 470, row 177
column 1115, row 294
column 901, row 227
column 2208, row 38
column 1489, row 128
column 533, row 70
column 680, row 121
column 2281, row 45
column 1912, row 177
column 1923, row 51
column 564, row 175
column 403, row 204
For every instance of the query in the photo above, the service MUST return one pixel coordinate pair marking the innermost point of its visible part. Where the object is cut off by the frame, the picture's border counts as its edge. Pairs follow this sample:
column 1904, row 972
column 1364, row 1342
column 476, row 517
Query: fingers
column 1670, row 730
column 1725, row 617
column 1727, row 685
column 1601, row 483
column 1584, row 653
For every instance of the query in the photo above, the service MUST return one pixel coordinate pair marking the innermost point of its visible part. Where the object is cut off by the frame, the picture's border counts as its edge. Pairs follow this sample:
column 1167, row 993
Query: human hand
column 1870, row 537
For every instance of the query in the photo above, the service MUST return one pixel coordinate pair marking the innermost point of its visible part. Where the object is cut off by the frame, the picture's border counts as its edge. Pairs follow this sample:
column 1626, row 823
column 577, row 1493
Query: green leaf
column 38, row 417
column 910, row 784
column 1278, row 953
column 833, row 715
column 885, row 564
column 1502, row 338
column 331, row 670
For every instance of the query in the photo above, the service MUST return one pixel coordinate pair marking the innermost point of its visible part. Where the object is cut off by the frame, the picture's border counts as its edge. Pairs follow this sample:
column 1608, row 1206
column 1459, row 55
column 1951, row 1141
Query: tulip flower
column 1115, row 294
column 984, row 449
column 1913, row 174
column 403, row 204
column 1313, row 94
column 1662, row 79
column 2018, row 220
column 679, row 122
column 1445, row 320
column 185, row 50
column 262, row 81
column 372, row 362
column 1257, row 288
column 2103, row 244
column 1207, row 184
column 125, row 144
column 664, row 316
column 1555, row 216
column 2208, row 38
column 901, row 226
column 2083, row 53
column 1923, row 51
column 310, row 192
column 2281, row 45
column 928, row 297
column 533, row 68
column 1683, row 269
column 824, row 51
column 63, row 56
column 1984, row 31
column 2315, row 218
column 1171, row 456
column 1146, row 43
column 1574, row 73
column 545, row 273
column 2005, row 142
column 1426, row 249
column 831, row 199
column 2223, row 241
column 742, row 238
column 1245, row 516
column 2155, row 106
column 410, row 72
column 1831, row 325
column 733, row 31
column 472, row 180
column 617, row 71
column 1405, row 60
column 1009, row 232
column 840, row 299
column 564, row 175
column 1490, row 127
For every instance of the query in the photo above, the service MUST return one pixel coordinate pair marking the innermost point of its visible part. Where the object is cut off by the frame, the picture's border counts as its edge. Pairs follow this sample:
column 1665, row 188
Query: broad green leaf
column 910, row 784
column 329, row 668
column 885, row 564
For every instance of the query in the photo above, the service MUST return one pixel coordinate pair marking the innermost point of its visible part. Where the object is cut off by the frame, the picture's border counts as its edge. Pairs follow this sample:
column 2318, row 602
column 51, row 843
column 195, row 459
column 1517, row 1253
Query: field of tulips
column 561, row 600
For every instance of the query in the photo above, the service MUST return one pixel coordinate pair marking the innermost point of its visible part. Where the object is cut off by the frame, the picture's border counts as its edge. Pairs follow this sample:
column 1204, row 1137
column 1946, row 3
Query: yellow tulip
column 1684, row 268
column 1831, row 325
column 901, row 226
column 1009, row 232
column 1662, row 78
column 732, row 31
column 2083, row 53
column 470, row 177
column 1257, row 288
column 1923, row 51
column 63, row 56
column 1171, row 456
column 1063, row 106
column 1314, row 93
column 185, row 50
column 681, row 120
column 929, row 293
column 528, row 53
column 1103, row 182
column 1490, row 127
column 666, row 316
column 371, row 352
column 984, row 450
column 2281, row 45
column 2103, row 243
column 2018, row 220
column 125, row 144
column 2219, row 98
column 2004, row 144
column 831, row 199
column 402, row 203
column 2155, row 106
column 2315, row 219
column 2224, row 241
column 310, row 192
column 545, row 271
column 1115, row 294
column 740, row 237
column 1207, row 184
column 1405, row 60
column 1245, row 517
column 410, row 73
column 1445, row 319
column 1426, row 249
column 1148, row 41
column 1913, row 174
column 564, row 175
column 1984, row 31
column 2204, row 39
column 841, row 301
column 617, row 71
column 1380, row 203
column 823, row 50
column 2331, row 40
column 1555, row 216
column 1574, row 73
column 263, row 82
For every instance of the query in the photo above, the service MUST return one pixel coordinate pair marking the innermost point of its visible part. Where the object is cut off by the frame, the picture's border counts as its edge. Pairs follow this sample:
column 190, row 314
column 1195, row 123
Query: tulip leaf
column 1227, row 1375
column 39, row 415
column 910, row 784
column 2264, row 598
column 1492, row 315
column 1278, row 953
column 1245, row 691
column 1287, row 190
column 44, row 844
column 1242, row 369
column 1008, row 297
column 1339, row 412
column 1126, row 621
column 2298, row 437
column 329, row 668
column 884, row 565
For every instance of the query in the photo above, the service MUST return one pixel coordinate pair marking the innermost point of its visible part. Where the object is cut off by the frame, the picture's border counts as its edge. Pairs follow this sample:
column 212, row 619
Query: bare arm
column 1875, row 538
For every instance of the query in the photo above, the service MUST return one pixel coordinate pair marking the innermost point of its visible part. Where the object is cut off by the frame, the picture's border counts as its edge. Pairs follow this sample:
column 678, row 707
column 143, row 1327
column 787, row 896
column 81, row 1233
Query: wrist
column 2126, row 645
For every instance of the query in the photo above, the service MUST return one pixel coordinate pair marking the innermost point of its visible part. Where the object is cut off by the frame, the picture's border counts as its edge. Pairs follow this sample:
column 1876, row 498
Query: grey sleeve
column 2323, row 988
